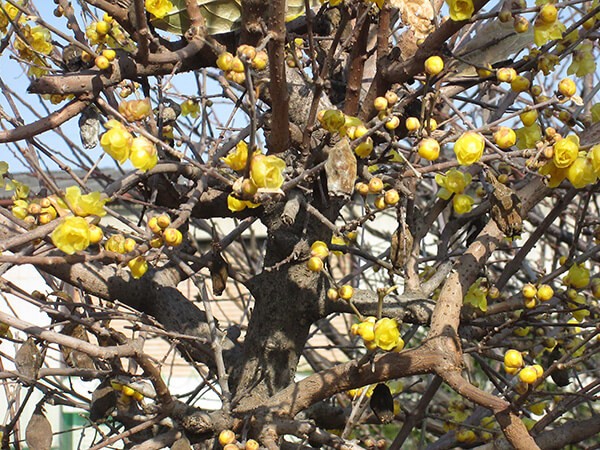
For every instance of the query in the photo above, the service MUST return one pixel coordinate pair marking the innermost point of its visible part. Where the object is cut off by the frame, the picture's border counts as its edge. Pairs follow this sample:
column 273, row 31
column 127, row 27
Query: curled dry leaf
column 104, row 399
column 72, row 357
column 89, row 126
column 38, row 433
column 218, row 273
column 401, row 246
column 417, row 14
column 505, row 207
column 341, row 169
column 28, row 360
column 382, row 403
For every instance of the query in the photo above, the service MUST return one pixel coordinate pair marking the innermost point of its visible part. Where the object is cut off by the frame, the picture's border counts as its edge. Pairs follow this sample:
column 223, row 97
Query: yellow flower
column 266, row 172
column 547, row 62
column 143, row 154
column 72, row 235
column 477, row 295
column 21, row 189
column 94, row 37
column 527, row 137
column 236, row 205
column 365, row 330
column 236, row 159
column 581, row 173
column 387, row 335
column 138, row 267
column 460, row 9
column 116, row 141
column 134, row 110
column 38, row 67
column 91, row 204
column 454, row 182
column 332, row 119
column 462, row 203
column 577, row 277
column 3, row 22
column 594, row 157
column 583, row 61
column 159, row 8
column 40, row 40
column 545, row 32
column 557, row 175
column 469, row 148
column 190, row 108
column 566, row 151
column 595, row 110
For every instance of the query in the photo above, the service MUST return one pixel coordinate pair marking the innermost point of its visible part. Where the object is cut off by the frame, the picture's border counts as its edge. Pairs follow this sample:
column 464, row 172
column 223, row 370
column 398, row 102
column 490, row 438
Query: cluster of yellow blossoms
column 233, row 66
column 513, row 363
column 119, row 143
column 190, row 108
column 454, row 183
column 32, row 45
column 336, row 121
column 546, row 27
column 382, row 333
column 75, row 233
column 569, row 162
column 266, row 176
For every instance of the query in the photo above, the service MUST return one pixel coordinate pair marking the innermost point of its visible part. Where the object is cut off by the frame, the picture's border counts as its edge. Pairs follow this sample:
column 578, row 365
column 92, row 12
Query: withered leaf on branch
column 559, row 376
column 417, row 14
column 382, row 403
column 505, row 207
column 340, row 168
column 89, row 126
column 218, row 273
column 38, row 433
column 104, row 399
column 401, row 246
column 28, row 360
column 72, row 357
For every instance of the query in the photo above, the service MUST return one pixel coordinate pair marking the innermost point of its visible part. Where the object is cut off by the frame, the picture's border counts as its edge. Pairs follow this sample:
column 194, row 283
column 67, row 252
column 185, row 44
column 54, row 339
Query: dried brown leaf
column 417, row 15
column 28, row 360
column 341, row 168
column 38, row 433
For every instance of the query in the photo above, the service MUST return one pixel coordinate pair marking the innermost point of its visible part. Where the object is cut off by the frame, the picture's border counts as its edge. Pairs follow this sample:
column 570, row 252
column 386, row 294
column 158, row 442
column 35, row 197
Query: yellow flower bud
column 513, row 358
column 429, row 149
column 434, row 65
column 172, row 236
column 138, row 267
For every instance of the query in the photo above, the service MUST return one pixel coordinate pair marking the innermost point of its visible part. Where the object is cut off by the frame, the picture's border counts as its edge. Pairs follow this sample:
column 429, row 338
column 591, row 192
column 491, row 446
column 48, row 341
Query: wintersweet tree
column 426, row 176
